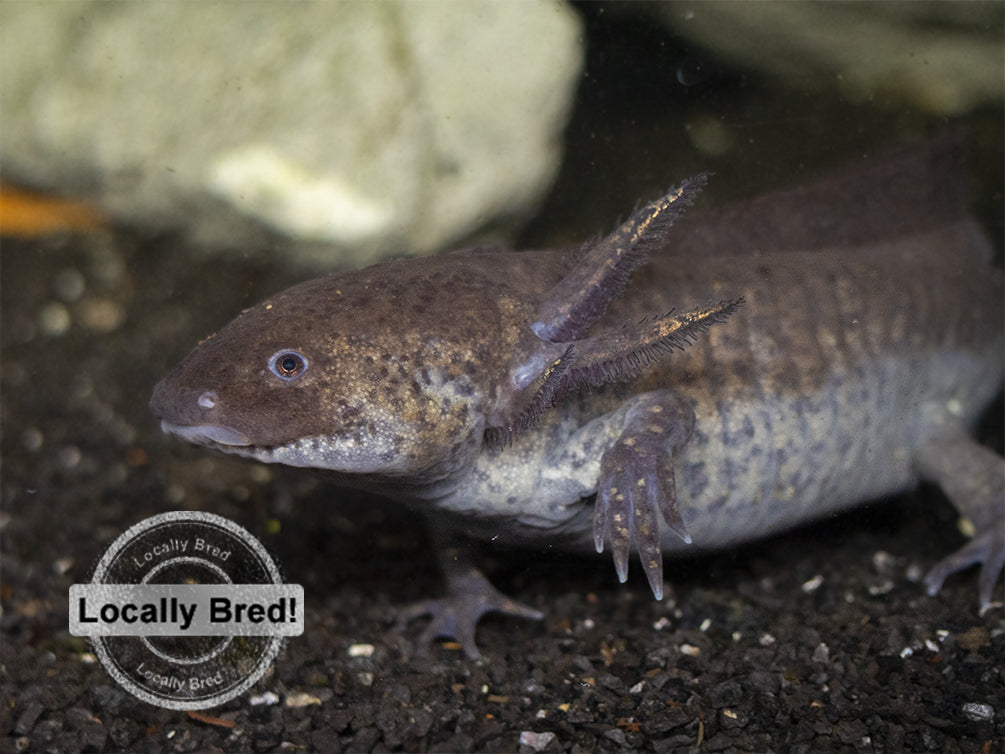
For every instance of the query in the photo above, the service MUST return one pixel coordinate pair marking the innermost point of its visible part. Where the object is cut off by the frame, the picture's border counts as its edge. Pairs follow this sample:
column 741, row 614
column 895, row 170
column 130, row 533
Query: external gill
column 621, row 355
column 613, row 356
column 541, row 393
column 557, row 357
column 582, row 296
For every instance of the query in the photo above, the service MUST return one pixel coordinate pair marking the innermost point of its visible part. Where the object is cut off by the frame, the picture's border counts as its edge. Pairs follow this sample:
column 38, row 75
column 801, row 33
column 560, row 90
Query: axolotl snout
column 766, row 364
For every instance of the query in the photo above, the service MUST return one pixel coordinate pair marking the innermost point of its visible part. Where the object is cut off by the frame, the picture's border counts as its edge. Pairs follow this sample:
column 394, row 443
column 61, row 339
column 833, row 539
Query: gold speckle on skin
column 641, row 482
column 655, row 428
column 785, row 493
column 629, row 441
column 663, row 204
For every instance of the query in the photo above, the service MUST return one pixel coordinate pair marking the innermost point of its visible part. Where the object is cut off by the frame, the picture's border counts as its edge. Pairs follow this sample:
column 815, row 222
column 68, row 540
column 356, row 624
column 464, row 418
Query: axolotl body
column 766, row 364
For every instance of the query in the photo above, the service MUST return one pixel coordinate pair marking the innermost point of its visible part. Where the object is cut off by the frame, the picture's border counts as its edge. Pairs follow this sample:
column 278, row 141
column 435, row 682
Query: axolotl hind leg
column 973, row 478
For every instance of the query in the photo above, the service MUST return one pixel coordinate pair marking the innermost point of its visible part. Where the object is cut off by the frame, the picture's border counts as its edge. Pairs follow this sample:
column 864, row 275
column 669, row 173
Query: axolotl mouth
column 347, row 455
column 213, row 435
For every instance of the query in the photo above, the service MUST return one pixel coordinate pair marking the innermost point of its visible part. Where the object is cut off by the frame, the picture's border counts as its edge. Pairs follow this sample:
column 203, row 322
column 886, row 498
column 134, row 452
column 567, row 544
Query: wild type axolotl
column 767, row 363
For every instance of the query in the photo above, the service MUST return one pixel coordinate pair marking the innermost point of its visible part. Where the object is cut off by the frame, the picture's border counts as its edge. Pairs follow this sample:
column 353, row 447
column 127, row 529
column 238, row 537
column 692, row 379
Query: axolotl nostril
column 768, row 363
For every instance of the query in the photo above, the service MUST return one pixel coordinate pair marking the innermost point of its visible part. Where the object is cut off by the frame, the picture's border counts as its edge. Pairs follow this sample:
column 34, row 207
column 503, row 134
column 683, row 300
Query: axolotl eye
column 287, row 365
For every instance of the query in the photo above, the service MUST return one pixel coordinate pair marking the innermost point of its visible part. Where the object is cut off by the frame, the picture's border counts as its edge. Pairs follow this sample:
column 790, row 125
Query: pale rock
column 360, row 129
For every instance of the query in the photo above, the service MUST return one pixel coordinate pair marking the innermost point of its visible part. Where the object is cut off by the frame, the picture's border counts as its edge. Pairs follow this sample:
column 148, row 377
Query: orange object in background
column 26, row 214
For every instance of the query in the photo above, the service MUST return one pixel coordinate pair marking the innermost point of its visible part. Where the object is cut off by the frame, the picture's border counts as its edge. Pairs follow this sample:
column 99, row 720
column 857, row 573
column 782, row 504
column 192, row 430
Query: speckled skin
column 868, row 340
column 794, row 417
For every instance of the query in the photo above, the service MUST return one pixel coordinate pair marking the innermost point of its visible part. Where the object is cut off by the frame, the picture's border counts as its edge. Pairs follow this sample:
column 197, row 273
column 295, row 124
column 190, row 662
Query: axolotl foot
column 637, row 485
column 973, row 478
column 456, row 616
column 986, row 549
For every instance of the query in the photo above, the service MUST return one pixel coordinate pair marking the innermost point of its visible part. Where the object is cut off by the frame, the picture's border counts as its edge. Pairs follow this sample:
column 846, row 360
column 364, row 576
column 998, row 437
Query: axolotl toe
column 683, row 384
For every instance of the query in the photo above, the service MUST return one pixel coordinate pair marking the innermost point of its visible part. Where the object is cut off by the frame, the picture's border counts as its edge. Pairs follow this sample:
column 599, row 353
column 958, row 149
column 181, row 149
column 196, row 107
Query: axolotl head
column 382, row 373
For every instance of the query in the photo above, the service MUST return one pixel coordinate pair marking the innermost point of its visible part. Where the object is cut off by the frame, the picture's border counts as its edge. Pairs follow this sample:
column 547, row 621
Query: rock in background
column 943, row 57
column 358, row 129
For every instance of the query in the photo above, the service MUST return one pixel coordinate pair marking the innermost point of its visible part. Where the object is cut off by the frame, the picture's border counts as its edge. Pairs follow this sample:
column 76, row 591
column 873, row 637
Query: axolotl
column 680, row 385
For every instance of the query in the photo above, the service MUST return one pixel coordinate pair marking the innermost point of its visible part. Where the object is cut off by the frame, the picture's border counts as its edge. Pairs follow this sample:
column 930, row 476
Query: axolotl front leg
column 625, row 459
column 470, row 595
column 637, row 484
